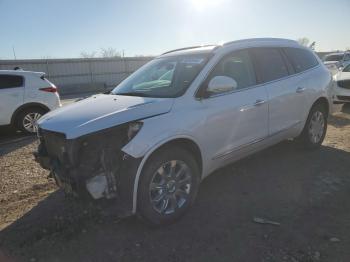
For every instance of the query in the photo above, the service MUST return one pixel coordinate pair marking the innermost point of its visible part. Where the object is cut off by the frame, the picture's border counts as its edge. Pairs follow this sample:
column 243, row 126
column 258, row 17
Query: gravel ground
column 306, row 192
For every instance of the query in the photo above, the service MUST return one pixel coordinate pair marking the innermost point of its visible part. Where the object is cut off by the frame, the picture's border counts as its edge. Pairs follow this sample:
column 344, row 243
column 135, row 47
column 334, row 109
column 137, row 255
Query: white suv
column 183, row 115
column 24, row 97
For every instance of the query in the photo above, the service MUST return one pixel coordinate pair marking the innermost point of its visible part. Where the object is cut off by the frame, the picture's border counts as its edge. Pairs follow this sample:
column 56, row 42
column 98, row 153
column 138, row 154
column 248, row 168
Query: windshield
column 337, row 57
column 347, row 68
column 163, row 77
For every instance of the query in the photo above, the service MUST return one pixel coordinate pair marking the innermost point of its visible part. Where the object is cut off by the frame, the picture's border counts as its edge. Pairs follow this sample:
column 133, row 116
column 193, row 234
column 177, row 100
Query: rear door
column 285, row 99
column 11, row 96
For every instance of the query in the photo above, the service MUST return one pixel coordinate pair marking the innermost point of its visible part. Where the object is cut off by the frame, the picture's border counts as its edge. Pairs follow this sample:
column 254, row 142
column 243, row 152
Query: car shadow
column 282, row 183
column 11, row 140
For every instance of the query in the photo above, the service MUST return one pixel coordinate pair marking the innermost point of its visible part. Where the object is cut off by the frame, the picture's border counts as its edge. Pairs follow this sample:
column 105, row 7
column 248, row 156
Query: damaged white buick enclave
column 152, row 140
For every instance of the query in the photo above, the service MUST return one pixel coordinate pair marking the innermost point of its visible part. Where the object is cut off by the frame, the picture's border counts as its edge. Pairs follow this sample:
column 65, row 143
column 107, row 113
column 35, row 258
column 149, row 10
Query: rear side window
column 301, row 59
column 10, row 81
column 270, row 64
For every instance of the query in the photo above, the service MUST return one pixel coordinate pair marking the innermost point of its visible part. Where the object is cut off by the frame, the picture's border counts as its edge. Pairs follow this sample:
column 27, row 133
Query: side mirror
column 221, row 84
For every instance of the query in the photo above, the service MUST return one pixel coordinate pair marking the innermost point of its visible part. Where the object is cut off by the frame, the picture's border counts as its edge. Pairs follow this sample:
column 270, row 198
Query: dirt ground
column 307, row 192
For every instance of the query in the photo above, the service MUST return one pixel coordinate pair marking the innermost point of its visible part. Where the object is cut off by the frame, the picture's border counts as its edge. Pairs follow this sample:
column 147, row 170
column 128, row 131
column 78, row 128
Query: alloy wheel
column 316, row 127
column 170, row 187
column 30, row 122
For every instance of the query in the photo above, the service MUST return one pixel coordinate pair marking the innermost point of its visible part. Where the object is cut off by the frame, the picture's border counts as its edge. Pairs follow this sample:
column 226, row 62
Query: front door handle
column 259, row 102
column 300, row 89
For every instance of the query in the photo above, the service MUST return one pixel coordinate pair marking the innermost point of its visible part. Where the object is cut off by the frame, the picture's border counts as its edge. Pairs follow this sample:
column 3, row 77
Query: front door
column 237, row 118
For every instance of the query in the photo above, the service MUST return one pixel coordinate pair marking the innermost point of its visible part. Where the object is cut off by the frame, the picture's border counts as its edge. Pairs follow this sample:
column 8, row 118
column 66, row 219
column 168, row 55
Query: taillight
column 51, row 89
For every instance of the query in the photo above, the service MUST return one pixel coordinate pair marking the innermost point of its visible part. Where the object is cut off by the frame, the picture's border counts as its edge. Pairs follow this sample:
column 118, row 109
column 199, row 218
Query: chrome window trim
column 246, row 88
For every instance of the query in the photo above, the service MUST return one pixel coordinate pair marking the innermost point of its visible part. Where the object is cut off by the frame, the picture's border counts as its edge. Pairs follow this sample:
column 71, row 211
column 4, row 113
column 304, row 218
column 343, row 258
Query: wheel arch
column 182, row 141
column 26, row 106
column 323, row 101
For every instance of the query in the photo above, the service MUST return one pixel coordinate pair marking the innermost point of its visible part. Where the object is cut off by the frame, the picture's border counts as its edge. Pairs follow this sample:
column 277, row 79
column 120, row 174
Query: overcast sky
column 65, row 28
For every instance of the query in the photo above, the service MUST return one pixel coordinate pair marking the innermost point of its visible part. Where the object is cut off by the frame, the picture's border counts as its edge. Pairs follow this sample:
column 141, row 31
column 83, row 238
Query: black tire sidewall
column 145, row 209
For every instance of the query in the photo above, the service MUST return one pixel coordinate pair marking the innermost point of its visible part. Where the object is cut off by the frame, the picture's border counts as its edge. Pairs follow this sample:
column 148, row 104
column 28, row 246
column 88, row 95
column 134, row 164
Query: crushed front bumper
column 91, row 167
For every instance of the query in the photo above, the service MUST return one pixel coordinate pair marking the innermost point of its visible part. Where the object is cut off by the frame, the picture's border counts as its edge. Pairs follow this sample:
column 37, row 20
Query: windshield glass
column 163, row 77
column 347, row 68
column 333, row 57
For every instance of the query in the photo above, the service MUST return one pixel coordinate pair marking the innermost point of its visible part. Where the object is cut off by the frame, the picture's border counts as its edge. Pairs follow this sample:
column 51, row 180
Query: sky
column 65, row 28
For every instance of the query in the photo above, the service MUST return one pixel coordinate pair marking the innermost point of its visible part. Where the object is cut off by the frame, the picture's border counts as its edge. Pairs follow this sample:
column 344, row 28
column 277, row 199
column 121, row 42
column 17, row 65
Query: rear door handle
column 259, row 102
column 300, row 89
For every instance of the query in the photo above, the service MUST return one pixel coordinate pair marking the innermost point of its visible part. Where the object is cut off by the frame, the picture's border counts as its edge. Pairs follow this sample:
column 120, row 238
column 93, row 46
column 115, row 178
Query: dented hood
column 100, row 112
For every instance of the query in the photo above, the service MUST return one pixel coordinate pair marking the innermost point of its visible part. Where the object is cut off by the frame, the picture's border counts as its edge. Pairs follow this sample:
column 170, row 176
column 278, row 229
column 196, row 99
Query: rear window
column 301, row 59
column 10, row 81
column 270, row 64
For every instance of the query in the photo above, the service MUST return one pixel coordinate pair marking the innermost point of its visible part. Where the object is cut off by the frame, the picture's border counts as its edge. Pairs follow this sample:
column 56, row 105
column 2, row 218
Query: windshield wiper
column 133, row 94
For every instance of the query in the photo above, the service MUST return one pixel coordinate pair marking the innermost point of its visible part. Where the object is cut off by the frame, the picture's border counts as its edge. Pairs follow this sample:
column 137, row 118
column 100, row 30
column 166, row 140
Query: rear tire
column 315, row 128
column 168, row 186
column 26, row 120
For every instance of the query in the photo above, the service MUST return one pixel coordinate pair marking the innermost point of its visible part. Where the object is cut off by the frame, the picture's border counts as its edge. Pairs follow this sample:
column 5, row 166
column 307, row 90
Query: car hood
column 102, row 111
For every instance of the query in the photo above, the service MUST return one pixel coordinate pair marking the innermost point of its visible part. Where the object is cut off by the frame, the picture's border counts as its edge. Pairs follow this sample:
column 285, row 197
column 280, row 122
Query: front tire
column 315, row 128
column 168, row 186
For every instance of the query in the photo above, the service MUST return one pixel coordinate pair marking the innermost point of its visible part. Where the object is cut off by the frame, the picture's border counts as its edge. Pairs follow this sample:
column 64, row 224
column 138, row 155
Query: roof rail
column 259, row 39
column 185, row 48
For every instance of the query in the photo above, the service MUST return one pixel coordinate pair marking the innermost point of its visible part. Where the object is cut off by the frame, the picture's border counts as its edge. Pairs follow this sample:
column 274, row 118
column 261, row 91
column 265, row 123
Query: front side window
column 10, row 81
column 270, row 64
column 301, row 59
column 237, row 66
column 163, row 77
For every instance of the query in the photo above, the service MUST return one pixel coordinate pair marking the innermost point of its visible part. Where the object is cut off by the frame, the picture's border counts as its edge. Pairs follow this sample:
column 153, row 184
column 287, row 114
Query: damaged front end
column 92, row 166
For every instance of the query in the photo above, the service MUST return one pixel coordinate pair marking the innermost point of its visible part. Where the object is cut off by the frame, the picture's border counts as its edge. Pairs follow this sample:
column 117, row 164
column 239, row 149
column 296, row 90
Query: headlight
column 133, row 129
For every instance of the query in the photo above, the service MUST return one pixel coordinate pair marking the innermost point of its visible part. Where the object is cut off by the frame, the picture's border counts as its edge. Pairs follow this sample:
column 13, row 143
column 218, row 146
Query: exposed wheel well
column 26, row 106
column 186, row 144
column 322, row 101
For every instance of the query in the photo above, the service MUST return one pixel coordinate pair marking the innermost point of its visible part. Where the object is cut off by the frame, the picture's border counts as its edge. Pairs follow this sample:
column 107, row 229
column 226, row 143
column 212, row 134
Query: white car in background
column 24, row 97
column 334, row 61
column 341, row 87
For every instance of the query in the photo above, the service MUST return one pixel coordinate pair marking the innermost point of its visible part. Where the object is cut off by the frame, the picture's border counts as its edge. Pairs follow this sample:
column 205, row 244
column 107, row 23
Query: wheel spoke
column 156, row 186
column 159, row 197
column 164, row 205
column 181, row 193
column 173, row 202
column 184, row 181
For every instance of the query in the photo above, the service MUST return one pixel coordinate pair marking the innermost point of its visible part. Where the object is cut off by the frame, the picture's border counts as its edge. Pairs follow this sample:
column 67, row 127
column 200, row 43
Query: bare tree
column 313, row 45
column 109, row 52
column 304, row 41
column 88, row 54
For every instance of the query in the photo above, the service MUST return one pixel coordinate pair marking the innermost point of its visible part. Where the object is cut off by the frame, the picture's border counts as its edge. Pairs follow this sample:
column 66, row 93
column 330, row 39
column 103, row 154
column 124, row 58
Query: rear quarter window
column 301, row 59
column 11, row 81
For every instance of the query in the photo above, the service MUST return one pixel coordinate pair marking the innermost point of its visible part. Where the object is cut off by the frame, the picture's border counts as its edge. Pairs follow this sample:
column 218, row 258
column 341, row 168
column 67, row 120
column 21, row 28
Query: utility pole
column 14, row 52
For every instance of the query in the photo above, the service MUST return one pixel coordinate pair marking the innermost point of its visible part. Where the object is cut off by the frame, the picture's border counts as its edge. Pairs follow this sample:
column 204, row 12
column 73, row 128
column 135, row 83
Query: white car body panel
column 13, row 98
column 339, row 91
column 224, row 127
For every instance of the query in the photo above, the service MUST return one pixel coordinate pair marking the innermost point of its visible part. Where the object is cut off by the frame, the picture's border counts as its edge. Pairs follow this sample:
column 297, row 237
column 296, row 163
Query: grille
column 344, row 84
